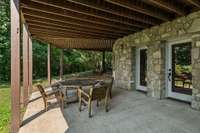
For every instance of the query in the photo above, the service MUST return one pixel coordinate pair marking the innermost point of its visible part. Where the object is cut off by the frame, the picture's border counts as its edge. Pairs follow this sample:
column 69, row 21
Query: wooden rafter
column 27, row 4
column 50, row 29
column 80, row 43
column 58, row 34
column 72, row 21
column 140, row 7
column 67, row 24
column 98, row 19
column 103, row 12
column 122, row 13
column 62, row 27
column 167, row 5
column 194, row 2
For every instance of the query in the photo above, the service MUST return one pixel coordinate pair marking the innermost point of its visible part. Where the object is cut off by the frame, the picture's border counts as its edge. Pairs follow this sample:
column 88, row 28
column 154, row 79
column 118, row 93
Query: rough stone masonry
column 156, row 39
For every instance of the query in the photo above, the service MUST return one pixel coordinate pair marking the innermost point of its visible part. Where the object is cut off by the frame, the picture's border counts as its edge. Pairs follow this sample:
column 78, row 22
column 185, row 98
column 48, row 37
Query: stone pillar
column 124, row 66
column 196, row 72
column 156, row 69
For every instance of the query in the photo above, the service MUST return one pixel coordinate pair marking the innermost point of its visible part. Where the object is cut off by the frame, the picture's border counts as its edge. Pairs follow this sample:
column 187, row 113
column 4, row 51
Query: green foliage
column 180, row 69
column 74, row 60
column 5, row 109
column 4, row 41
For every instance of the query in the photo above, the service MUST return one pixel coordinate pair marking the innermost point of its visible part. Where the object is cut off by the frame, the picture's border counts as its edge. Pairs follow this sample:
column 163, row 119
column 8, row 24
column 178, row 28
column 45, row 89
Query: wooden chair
column 94, row 93
column 110, row 85
column 47, row 96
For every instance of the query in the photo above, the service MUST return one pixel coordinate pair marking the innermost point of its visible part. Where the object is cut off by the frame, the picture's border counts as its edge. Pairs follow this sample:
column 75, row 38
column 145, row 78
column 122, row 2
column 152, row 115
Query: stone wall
column 124, row 61
column 156, row 69
column 196, row 72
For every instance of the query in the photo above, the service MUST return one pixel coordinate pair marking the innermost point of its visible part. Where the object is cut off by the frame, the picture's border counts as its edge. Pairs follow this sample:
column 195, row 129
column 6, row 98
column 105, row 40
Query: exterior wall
column 156, row 70
column 196, row 72
column 153, row 38
column 124, row 64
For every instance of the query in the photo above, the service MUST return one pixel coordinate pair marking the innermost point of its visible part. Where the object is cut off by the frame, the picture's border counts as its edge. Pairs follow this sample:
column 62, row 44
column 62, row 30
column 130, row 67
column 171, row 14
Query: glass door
column 141, row 69
column 180, row 71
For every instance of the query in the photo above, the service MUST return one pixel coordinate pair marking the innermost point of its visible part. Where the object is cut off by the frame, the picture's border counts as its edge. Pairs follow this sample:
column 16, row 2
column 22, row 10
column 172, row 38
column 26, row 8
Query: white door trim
column 138, row 86
column 169, row 92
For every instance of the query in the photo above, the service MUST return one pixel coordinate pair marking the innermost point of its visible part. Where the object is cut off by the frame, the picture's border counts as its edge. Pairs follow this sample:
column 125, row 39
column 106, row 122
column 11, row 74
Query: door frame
column 169, row 93
column 138, row 86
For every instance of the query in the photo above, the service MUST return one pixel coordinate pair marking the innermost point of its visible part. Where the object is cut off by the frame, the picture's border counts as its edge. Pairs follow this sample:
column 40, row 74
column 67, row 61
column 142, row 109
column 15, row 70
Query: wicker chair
column 47, row 96
column 97, row 92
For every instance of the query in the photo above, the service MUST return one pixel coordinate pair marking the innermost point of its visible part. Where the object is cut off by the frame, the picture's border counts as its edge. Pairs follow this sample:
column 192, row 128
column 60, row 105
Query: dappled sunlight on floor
column 36, row 120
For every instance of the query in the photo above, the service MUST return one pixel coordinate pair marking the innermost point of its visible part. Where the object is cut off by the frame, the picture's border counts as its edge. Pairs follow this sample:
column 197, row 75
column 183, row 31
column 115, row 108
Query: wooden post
column 49, row 64
column 103, row 61
column 61, row 64
column 30, row 65
column 15, row 65
column 25, row 64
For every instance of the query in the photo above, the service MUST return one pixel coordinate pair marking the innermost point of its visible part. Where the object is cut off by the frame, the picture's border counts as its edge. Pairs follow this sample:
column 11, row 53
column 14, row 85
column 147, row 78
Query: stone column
column 124, row 66
column 156, row 69
column 196, row 72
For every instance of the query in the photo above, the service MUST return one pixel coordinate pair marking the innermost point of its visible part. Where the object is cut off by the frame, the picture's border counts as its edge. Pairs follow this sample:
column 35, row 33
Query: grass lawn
column 4, row 108
column 5, row 100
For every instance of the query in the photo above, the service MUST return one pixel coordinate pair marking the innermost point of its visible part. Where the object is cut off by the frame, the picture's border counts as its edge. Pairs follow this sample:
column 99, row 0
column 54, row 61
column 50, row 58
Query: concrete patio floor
column 130, row 111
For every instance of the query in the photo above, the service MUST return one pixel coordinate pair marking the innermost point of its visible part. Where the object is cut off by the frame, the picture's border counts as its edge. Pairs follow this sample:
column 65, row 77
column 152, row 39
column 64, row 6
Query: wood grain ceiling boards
column 98, row 19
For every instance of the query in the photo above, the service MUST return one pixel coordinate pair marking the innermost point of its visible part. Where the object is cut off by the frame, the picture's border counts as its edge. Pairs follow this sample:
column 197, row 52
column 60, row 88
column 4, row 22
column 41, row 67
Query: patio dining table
column 72, row 85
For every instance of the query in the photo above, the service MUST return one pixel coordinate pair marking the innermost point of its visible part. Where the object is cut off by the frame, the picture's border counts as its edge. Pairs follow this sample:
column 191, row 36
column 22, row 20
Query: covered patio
column 147, row 29
column 141, row 114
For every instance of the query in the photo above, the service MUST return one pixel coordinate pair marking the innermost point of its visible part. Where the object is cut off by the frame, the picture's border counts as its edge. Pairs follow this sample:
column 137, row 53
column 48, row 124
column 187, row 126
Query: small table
column 75, row 84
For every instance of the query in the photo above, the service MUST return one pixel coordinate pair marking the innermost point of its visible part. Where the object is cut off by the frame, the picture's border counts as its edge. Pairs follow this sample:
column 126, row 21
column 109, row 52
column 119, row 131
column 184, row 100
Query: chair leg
column 62, row 104
column 90, row 108
column 106, row 100
column 106, row 104
column 110, row 91
column 45, row 105
column 80, row 103
column 97, row 102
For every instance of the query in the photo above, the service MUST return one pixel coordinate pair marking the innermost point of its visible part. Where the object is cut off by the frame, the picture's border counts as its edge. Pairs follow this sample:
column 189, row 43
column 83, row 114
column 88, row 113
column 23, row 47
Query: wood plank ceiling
column 66, row 23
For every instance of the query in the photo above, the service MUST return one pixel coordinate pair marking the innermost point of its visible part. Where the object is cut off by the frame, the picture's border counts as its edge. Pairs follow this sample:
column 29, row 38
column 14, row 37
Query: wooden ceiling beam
column 122, row 13
column 70, row 31
column 75, row 22
column 67, row 23
column 39, row 33
column 61, row 34
column 74, row 15
column 74, row 28
column 194, row 2
column 103, row 12
column 140, row 7
column 70, row 28
column 168, row 5
column 79, row 44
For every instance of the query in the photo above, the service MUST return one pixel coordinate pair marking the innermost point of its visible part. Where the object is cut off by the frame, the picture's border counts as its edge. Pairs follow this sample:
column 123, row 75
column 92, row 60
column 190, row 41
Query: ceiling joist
column 103, row 12
column 194, row 2
column 72, row 21
column 140, row 7
column 55, row 21
column 168, row 5
column 27, row 4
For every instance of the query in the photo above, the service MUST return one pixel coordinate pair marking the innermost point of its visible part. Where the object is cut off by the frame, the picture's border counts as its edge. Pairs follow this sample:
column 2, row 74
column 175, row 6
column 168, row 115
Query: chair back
column 41, row 89
column 98, row 91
